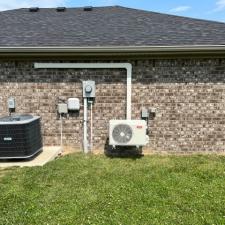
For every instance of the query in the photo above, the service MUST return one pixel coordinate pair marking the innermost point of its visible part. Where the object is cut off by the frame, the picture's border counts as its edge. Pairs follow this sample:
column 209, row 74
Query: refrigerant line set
column 119, row 132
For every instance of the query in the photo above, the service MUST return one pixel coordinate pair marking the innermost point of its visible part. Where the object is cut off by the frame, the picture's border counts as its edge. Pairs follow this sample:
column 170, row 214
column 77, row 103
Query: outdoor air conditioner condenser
column 20, row 136
column 127, row 133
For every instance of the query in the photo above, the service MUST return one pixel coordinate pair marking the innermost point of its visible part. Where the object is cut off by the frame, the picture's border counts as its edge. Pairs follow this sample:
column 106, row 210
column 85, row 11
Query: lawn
column 79, row 189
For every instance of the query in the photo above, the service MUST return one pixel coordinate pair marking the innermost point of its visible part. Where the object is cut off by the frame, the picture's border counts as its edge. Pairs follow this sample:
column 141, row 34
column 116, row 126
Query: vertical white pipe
column 129, row 88
column 61, row 131
column 85, row 141
column 91, row 138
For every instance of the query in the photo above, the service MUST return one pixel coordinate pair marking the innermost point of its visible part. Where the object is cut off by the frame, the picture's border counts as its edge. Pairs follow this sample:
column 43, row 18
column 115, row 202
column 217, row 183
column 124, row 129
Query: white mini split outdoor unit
column 127, row 133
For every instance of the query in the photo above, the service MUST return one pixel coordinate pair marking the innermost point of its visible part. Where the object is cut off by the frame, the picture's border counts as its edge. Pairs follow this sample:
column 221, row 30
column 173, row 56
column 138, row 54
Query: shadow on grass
column 122, row 151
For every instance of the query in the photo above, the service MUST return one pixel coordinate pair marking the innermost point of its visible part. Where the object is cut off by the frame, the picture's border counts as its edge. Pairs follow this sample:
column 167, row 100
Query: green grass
column 80, row 189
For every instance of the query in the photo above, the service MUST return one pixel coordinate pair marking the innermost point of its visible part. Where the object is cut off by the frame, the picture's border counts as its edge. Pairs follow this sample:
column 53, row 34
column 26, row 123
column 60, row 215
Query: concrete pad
column 48, row 154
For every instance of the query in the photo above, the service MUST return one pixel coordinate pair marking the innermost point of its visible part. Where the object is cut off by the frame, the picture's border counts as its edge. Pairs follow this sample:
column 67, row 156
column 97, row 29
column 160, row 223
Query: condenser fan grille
column 122, row 133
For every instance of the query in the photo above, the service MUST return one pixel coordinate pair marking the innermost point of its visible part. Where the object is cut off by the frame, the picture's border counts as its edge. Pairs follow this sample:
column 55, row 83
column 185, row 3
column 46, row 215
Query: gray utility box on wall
column 62, row 108
column 11, row 103
column 89, row 89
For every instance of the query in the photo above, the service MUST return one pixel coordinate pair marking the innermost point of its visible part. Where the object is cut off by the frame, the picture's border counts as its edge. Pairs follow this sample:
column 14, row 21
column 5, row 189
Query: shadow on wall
column 24, row 72
column 184, row 70
column 122, row 152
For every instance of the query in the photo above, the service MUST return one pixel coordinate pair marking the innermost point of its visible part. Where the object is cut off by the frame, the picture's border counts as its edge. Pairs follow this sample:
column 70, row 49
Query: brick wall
column 188, row 94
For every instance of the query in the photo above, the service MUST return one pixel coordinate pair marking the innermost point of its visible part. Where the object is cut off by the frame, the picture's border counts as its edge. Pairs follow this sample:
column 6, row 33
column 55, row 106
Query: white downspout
column 126, row 66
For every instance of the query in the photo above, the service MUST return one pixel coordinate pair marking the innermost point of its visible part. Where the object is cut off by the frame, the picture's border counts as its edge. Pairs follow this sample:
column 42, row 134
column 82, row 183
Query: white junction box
column 73, row 104
column 127, row 133
column 62, row 108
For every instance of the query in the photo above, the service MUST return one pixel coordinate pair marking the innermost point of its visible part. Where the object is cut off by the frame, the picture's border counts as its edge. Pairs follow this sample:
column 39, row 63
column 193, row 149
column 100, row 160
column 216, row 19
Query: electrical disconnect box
column 153, row 110
column 11, row 103
column 62, row 108
column 89, row 89
column 144, row 113
column 73, row 104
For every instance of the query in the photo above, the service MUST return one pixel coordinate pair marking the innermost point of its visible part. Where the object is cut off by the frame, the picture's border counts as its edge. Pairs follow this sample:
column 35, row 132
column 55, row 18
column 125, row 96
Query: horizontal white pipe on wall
column 126, row 66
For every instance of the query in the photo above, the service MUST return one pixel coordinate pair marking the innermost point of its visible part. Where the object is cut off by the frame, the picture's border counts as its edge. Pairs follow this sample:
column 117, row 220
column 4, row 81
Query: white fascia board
column 108, row 49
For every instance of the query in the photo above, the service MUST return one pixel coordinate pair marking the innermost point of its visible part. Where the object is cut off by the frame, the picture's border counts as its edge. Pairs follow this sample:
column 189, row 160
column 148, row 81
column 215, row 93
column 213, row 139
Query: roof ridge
column 170, row 15
column 81, row 7
column 129, row 8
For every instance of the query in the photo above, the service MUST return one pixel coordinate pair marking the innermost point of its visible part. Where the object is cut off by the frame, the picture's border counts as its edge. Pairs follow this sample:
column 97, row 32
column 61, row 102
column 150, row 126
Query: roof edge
column 114, row 49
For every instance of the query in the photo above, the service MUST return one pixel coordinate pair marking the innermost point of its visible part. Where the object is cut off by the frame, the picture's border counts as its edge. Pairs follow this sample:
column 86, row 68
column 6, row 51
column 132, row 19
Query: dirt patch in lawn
column 4, row 171
column 69, row 150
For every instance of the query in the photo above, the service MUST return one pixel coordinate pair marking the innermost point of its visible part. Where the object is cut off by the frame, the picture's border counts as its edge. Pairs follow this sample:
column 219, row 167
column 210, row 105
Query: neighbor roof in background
column 104, row 26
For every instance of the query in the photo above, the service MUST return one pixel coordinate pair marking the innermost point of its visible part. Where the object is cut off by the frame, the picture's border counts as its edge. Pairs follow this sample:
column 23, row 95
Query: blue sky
column 205, row 9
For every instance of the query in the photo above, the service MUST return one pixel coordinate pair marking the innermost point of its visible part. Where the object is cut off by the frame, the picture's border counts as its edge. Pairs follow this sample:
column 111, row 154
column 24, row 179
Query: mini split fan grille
column 122, row 133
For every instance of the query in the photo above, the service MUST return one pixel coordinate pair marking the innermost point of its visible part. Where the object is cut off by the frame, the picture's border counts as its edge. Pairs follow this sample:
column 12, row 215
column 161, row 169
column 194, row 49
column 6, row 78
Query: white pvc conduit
column 126, row 66
column 91, row 138
column 85, row 136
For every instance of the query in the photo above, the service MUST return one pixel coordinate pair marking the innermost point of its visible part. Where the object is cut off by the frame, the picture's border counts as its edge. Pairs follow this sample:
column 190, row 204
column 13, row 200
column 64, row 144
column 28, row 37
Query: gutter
column 113, row 49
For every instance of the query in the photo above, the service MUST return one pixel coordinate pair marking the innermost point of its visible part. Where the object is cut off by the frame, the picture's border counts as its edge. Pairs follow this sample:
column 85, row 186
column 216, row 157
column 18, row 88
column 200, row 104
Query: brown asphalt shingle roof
column 105, row 26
